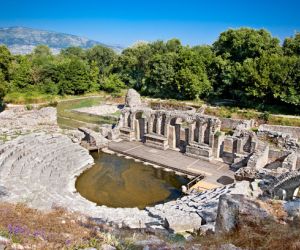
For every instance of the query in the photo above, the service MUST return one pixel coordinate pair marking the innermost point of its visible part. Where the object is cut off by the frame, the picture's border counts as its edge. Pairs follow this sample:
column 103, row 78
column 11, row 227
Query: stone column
column 158, row 125
column 121, row 120
column 146, row 124
column 172, row 137
column 132, row 121
column 137, row 130
column 239, row 146
column 201, row 132
column 177, row 133
column 150, row 125
column 125, row 120
column 191, row 133
column 211, row 137
column 218, row 140
column 166, row 129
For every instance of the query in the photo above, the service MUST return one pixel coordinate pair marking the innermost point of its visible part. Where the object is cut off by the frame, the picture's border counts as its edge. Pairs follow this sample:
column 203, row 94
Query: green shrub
column 265, row 116
column 112, row 84
column 29, row 107
column 254, row 130
column 218, row 133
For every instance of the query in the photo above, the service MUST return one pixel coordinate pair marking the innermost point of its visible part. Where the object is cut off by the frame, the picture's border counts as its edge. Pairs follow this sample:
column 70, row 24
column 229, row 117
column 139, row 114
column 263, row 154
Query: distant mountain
column 21, row 40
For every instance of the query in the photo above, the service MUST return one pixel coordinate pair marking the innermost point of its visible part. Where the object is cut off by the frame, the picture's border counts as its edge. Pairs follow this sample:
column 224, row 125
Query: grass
column 264, row 235
column 69, row 118
column 261, row 117
column 29, row 98
column 284, row 121
column 174, row 104
column 33, row 97
column 57, row 229
column 61, row 229
column 232, row 112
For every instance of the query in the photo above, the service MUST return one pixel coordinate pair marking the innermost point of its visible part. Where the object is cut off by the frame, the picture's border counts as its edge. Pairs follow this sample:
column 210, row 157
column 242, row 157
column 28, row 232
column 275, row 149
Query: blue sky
column 124, row 22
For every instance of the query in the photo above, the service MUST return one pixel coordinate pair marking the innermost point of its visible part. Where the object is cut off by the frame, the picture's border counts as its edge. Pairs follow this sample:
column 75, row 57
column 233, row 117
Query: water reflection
column 117, row 182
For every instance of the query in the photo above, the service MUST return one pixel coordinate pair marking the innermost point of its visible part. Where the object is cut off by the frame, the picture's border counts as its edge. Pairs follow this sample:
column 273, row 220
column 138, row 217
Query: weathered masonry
column 189, row 132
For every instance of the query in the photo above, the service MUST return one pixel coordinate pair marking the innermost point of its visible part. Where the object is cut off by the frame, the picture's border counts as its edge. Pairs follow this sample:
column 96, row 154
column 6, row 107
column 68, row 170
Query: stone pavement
column 216, row 173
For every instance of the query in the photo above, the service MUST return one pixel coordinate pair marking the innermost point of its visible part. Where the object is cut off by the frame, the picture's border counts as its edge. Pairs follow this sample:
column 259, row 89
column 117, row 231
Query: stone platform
column 216, row 173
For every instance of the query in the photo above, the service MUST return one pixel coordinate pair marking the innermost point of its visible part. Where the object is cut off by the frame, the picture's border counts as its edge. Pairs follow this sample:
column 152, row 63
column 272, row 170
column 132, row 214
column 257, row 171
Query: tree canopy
column 248, row 65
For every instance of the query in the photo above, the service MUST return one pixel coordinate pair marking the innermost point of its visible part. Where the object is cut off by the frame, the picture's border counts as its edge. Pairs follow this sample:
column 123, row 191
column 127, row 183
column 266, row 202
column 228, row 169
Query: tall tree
column 73, row 52
column 21, row 74
column 103, row 57
column 160, row 79
column 74, row 77
column 240, row 44
column 5, row 61
column 3, row 86
column 133, row 65
column 291, row 45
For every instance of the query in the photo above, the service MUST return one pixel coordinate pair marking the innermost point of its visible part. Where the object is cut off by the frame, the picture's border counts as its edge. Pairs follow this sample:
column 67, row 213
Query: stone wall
column 294, row 131
column 260, row 157
column 279, row 139
column 228, row 123
column 275, row 154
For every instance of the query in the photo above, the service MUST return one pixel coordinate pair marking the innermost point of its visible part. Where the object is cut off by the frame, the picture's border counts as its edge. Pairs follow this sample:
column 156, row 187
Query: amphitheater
column 40, row 162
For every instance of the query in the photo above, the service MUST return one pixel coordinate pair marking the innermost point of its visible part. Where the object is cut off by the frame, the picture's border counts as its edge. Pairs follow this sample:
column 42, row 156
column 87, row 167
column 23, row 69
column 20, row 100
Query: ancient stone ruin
column 39, row 163
column 192, row 133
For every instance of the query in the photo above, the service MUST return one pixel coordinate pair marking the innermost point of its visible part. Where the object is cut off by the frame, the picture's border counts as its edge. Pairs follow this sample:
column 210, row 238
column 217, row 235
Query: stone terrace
column 212, row 171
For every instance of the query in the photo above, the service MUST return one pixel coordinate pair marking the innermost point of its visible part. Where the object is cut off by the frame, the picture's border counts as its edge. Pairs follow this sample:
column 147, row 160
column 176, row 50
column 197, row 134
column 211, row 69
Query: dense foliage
column 246, row 65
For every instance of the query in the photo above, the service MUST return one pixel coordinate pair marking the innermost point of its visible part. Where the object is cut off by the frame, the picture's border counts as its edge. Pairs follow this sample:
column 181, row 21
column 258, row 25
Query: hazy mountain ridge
column 21, row 40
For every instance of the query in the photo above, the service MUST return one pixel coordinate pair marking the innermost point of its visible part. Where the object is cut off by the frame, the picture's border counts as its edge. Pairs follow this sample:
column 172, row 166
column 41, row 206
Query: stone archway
column 285, row 186
column 178, row 133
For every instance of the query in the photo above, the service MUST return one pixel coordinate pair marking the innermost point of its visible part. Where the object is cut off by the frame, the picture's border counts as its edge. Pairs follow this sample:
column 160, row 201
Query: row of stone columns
column 200, row 132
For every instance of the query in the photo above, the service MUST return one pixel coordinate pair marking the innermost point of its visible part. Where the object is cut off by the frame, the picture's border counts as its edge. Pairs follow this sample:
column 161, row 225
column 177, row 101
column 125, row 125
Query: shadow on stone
column 225, row 180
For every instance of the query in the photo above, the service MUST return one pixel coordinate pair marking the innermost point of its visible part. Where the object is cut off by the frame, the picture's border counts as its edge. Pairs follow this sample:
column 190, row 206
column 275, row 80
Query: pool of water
column 118, row 182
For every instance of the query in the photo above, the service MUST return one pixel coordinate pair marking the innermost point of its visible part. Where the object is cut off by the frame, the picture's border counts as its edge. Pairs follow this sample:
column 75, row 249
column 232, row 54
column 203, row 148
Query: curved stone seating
column 41, row 169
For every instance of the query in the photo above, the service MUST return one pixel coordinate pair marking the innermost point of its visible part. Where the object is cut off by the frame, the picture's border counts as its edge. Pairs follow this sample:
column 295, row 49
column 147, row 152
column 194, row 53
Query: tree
column 94, row 78
column 103, row 57
column 191, row 85
column 21, row 74
column 133, row 65
column 73, row 52
column 254, row 78
column 160, row 79
column 112, row 84
column 191, row 77
column 285, row 77
column 3, row 86
column 42, row 51
column 5, row 61
column 205, row 53
column 43, row 70
column 291, row 45
column 173, row 45
column 74, row 77
column 240, row 44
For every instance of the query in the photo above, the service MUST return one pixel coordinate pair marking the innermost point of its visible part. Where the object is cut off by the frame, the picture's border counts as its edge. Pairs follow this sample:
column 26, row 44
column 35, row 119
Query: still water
column 118, row 182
